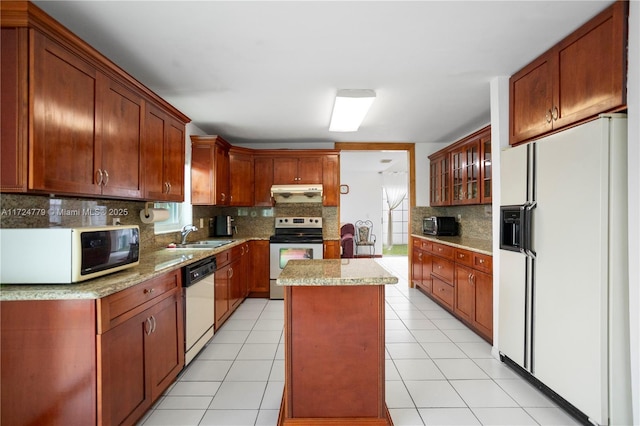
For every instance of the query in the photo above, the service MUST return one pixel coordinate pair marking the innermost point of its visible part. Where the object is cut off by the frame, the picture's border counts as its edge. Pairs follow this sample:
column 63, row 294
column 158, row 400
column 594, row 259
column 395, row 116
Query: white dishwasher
column 199, row 305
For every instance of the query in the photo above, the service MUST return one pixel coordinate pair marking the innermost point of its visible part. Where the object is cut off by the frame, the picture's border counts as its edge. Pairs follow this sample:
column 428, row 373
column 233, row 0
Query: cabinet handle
column 461, row 255
column 99, row 177
column 147, row 326
column 420, row 256
column 230, row 273
column 223, row 196
column 148, row 291
column 555, row 114
column 153, row 324
column 106, row 180
column 481, row 261
column 547, row 116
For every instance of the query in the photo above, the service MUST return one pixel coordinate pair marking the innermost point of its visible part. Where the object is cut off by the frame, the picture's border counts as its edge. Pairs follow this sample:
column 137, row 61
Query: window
column 179, row 216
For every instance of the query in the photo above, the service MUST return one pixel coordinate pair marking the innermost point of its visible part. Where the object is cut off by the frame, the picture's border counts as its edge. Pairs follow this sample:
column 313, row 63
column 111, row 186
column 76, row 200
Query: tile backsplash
column 42, row 211
column 474, row 222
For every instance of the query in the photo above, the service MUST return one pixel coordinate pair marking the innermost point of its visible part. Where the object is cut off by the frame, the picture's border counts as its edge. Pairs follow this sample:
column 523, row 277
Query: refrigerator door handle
column 526, row 230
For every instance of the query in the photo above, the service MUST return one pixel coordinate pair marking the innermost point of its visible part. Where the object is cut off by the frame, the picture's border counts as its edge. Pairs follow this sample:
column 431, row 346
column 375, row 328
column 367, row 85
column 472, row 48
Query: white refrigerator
column 563, row 286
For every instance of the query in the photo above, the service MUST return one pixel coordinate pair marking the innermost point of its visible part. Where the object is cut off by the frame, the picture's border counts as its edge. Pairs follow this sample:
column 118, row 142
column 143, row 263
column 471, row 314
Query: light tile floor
column 438, row 372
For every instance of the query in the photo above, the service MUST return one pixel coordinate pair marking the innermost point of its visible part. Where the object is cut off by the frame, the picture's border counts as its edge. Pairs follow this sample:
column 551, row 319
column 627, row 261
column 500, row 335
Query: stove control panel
column 298, row 222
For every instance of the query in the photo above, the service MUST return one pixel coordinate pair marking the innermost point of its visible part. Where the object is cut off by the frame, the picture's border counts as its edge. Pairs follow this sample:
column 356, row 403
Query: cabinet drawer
column 223, row 258
column 483, row 262
column 118, row 307
column 464, row 257
column 421, row 244
column 443, row 291
column 443, row 268
column 443, row 251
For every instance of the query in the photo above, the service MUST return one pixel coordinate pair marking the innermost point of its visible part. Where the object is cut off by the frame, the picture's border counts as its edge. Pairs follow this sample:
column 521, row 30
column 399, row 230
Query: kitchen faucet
column 186, row 230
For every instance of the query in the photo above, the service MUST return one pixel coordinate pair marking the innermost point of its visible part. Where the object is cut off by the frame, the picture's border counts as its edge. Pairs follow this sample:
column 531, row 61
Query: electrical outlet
column 201, row 222
column 459, row 217
column 115, row 221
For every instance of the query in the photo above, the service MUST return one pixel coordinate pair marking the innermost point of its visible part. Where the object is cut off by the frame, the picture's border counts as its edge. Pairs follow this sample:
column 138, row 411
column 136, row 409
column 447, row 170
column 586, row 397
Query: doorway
column 369, row 158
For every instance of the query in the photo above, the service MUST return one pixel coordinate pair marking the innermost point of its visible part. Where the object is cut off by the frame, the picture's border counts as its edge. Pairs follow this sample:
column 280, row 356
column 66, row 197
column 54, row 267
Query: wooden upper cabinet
column 241, row 177
column 209, row 170
column 73, row 123
column 292, row 170
column 578, row 78
column 66, row 123
column 440, row 182
column 263, row 179
column 461, row 172
column 119, row 152
column 331, row 180
column 164, row 143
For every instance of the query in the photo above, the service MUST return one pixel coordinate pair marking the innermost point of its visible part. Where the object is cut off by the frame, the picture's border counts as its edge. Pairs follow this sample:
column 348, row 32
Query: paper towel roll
column 155, row 215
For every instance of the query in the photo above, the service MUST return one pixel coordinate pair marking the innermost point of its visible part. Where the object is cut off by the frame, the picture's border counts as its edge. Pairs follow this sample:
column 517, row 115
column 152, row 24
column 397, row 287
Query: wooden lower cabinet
column 334, row 368
column 84, row 362
column 459, row 280
column 233, row 276
column 331, row 249
column 259, row 268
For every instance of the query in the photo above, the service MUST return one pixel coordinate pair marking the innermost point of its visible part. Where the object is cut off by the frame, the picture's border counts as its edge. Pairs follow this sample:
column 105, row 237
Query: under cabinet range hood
column 300, row 193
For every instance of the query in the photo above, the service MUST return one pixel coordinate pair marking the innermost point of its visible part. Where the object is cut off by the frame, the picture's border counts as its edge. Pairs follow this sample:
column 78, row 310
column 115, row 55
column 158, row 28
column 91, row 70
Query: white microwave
column 66, row 255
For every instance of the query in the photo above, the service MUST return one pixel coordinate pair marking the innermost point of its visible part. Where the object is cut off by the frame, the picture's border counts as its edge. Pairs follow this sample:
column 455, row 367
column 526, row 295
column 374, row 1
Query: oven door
column 281, row 253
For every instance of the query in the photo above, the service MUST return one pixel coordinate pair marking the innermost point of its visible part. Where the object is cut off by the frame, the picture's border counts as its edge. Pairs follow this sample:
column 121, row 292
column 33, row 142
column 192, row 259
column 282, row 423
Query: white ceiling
column 268, row 70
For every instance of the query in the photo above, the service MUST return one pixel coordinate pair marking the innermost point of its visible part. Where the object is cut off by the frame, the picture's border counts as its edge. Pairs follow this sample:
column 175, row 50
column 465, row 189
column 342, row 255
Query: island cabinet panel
column 48, row 362
column 334, row 356
column 578, row 78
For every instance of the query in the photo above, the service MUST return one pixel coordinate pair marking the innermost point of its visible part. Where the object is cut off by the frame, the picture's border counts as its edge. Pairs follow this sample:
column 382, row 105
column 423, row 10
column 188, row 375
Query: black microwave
column 440, row 225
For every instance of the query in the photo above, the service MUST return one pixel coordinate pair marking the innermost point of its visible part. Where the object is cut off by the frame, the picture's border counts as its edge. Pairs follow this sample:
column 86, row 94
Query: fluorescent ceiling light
column 350, row 108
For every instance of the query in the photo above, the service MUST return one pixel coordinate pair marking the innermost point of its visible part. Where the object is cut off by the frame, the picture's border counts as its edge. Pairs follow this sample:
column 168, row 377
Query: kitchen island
column 334, row 342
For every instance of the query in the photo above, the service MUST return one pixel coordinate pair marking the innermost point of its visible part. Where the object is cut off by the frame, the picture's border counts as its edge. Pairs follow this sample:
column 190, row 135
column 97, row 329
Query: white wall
column 423, row 151
column 633, row 102
column 363, row 202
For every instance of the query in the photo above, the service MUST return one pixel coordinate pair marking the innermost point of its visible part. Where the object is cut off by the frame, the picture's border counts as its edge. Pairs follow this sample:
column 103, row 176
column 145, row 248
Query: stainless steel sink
column 205, row 244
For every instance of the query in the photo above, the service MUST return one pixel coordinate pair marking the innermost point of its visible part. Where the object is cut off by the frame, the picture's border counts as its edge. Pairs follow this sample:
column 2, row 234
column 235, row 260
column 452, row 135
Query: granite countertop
column 334, row 272
column 152, row 264
column 473, row 244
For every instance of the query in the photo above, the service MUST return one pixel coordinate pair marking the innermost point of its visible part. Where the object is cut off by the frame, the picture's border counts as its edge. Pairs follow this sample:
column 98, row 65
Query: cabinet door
column 13, row 120
column 263, row 179
column 202, row 174
column 120, row 151
column 285, row 170
column 416, row 266
column 465, row 298
column 165, row 343
column 64, row 121
column 241, row 179
column 440, row 194
column 591, row 68
column 222, row 279
column 486, row 170
column 259, row 267
column 173, row 160
column 154, row 133
column 310, row 169
column 221, row 184
column 237, row 282
column 331, row 249
column 531, row 99
column 331, row 180
column 466, row 173
column 125, row 394
column 483, row 303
